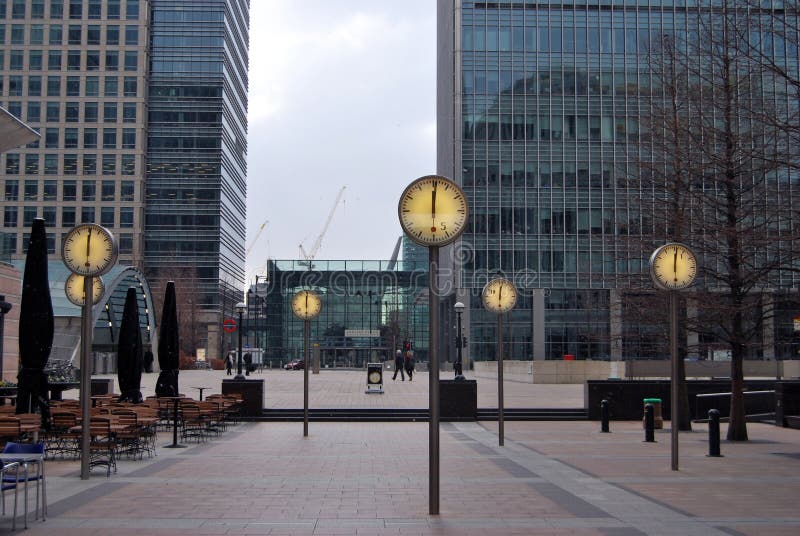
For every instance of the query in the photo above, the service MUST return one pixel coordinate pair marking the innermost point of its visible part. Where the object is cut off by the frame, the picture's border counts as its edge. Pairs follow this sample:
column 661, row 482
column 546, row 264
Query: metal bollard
column 713, row 433
column 604, row 416
column 649, row 424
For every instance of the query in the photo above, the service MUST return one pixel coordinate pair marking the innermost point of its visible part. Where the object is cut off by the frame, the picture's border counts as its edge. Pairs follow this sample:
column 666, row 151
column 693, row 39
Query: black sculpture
column 129, row 351
column 168, row 345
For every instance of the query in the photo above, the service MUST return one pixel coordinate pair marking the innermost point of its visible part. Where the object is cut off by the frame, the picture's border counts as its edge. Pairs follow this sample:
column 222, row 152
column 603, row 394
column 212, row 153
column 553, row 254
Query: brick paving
column 550, row 478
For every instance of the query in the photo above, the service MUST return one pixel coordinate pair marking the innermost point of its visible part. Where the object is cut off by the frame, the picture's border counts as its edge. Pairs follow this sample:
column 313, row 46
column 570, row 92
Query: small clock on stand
column 306, row 305
column 499, row 296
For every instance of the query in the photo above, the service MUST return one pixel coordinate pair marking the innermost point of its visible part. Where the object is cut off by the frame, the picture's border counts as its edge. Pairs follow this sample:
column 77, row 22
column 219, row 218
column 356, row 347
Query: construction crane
column 255, row 239
column 309, row 255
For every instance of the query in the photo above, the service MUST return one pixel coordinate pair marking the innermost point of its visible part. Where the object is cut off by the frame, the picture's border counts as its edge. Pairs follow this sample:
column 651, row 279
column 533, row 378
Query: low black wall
column 787, row 401
column 625, row 397
column 458, row 400
column 252, row 392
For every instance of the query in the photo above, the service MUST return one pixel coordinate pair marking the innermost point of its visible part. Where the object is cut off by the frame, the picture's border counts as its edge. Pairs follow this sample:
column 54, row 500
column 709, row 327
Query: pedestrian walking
column 409, row 364
column 398, row 366
column 228, row 364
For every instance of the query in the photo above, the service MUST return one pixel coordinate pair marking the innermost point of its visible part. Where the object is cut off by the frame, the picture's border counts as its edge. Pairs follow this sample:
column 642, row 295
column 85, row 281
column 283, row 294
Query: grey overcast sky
column 342, row 93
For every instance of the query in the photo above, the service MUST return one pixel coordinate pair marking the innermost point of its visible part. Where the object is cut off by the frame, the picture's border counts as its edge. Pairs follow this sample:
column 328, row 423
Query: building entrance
column 351, row 357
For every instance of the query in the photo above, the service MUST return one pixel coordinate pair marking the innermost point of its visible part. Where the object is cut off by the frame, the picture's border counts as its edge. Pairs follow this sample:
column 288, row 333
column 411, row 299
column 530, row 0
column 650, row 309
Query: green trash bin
column 658, row 420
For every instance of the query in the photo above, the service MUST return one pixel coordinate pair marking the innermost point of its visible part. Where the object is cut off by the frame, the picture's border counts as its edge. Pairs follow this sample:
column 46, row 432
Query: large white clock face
column 306, row 304
column 89, row 249
column 433, row 211
column 74, row 286
column 673, row 266
column 499, row 295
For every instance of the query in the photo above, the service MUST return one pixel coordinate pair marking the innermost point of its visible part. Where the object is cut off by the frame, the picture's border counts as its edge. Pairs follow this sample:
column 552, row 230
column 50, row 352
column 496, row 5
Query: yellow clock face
column 374, row 377
column 673, row 266
column 499, row 295
column 306, row 304
column 89, row 249
column 433, row 211
column 73, row 288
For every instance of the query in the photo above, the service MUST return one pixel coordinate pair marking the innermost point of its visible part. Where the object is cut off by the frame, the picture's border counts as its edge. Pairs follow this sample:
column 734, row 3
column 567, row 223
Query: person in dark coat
column 398, row 366
column 409, row 364
column 228, row 364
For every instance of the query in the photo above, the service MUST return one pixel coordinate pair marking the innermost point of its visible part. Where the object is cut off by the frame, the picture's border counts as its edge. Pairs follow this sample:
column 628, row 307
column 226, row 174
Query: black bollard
column 604, row 417
column 713, row 433
column 649, row 424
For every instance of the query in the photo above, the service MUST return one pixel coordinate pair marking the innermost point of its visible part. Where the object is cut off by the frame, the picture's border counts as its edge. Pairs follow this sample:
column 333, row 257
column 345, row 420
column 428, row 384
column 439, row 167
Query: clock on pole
column 306, row 305
column 74, row 288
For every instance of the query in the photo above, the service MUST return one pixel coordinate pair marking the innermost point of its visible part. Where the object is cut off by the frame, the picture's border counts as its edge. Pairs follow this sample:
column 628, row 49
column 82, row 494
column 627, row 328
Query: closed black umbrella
column 168, row 345
column 130, row 357
column 35, row 327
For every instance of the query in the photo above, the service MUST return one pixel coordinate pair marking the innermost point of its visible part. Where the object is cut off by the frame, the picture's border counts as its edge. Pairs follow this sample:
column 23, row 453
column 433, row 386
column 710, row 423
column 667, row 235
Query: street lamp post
column 459, row 308
column 240, row 308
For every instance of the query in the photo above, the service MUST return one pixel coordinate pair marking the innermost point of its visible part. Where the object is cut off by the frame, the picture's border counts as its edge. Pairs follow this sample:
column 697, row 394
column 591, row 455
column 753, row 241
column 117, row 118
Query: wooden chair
column 10, row 429
column 103, row 445
column 60, row 440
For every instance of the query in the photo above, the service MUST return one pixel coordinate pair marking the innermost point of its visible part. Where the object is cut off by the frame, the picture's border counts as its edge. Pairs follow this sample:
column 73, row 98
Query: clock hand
column 88, row 243
column 500, row 295
column 675, row 264
column 433, row 208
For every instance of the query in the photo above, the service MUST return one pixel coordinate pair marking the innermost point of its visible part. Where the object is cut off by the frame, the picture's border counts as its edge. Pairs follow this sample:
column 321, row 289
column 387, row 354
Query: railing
column 763, row 408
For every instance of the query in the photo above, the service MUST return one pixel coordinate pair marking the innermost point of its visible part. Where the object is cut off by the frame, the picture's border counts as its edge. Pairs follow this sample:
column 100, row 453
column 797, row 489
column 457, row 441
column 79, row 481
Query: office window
column 12, row 164
column 131, row 60
column 112, row 60
column 74, row 60
column 35, row 86
column 92, row 86
column 132, row 9
column 128, row 164
column 110, row 164
column 31, row 164
column 90, row 112
column 92, row 60
column 10, row 215
column 126, row 217
column 15, row 85
column 107, row 218
column 17, row 34
column 37, row 9
column 28, row 215
column 50, row 190
column 112, row 9
column 54, row 60
column 15, row 109
column 90, row 163
column 107, row 190
column 89, row 138
column 72, row 112
column 37, row 34
column 53, row 112
column 15, row 60
column 53, row 86
column 73, row 86
column 49, row 215
column 131, row 35
column 87, row 215
column 95, row 9
column 67, row 216
column 12, row 190
column 125, row 244
column 112, row 34
column 88, row 190
column 129, row 112
column 70, row 138
column 70, row 164
column 35, row 60
column 34, row 112
column 69, row 190
column 76, row 9
column 51, row 164
column 111, row 86
column 109, row 138
column 18, row 9
column 31, row 190
column 110, row 112
column 55, row 34
column 128, row 138
column 93, row 34
column 126, row 191
column 129, row 87
column 74, row 34
column 56, row 9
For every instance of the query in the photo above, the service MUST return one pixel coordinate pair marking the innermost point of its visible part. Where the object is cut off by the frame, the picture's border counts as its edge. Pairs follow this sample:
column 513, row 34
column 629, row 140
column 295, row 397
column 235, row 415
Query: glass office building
column 197, row 151
column 538, row 106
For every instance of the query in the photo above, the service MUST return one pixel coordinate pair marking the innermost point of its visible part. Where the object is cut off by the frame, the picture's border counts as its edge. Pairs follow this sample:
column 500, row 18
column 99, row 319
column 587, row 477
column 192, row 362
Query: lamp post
column 459, row 308
column 240, row 308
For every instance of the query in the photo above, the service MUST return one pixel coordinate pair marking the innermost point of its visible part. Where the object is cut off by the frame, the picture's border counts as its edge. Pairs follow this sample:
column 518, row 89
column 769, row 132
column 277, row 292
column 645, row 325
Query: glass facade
column 368, row 308
column 197, row 148
column 60, row 100
column 542, row 134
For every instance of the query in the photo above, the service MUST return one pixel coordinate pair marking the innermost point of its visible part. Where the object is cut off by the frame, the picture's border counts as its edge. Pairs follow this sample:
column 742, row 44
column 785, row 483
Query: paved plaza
column 372, row 478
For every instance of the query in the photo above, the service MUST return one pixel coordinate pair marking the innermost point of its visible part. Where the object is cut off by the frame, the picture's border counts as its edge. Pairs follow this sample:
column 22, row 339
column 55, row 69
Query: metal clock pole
column 500, row 422
column 306, row 353
column 673, row 350
column 86, row 374
column 433, row 386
